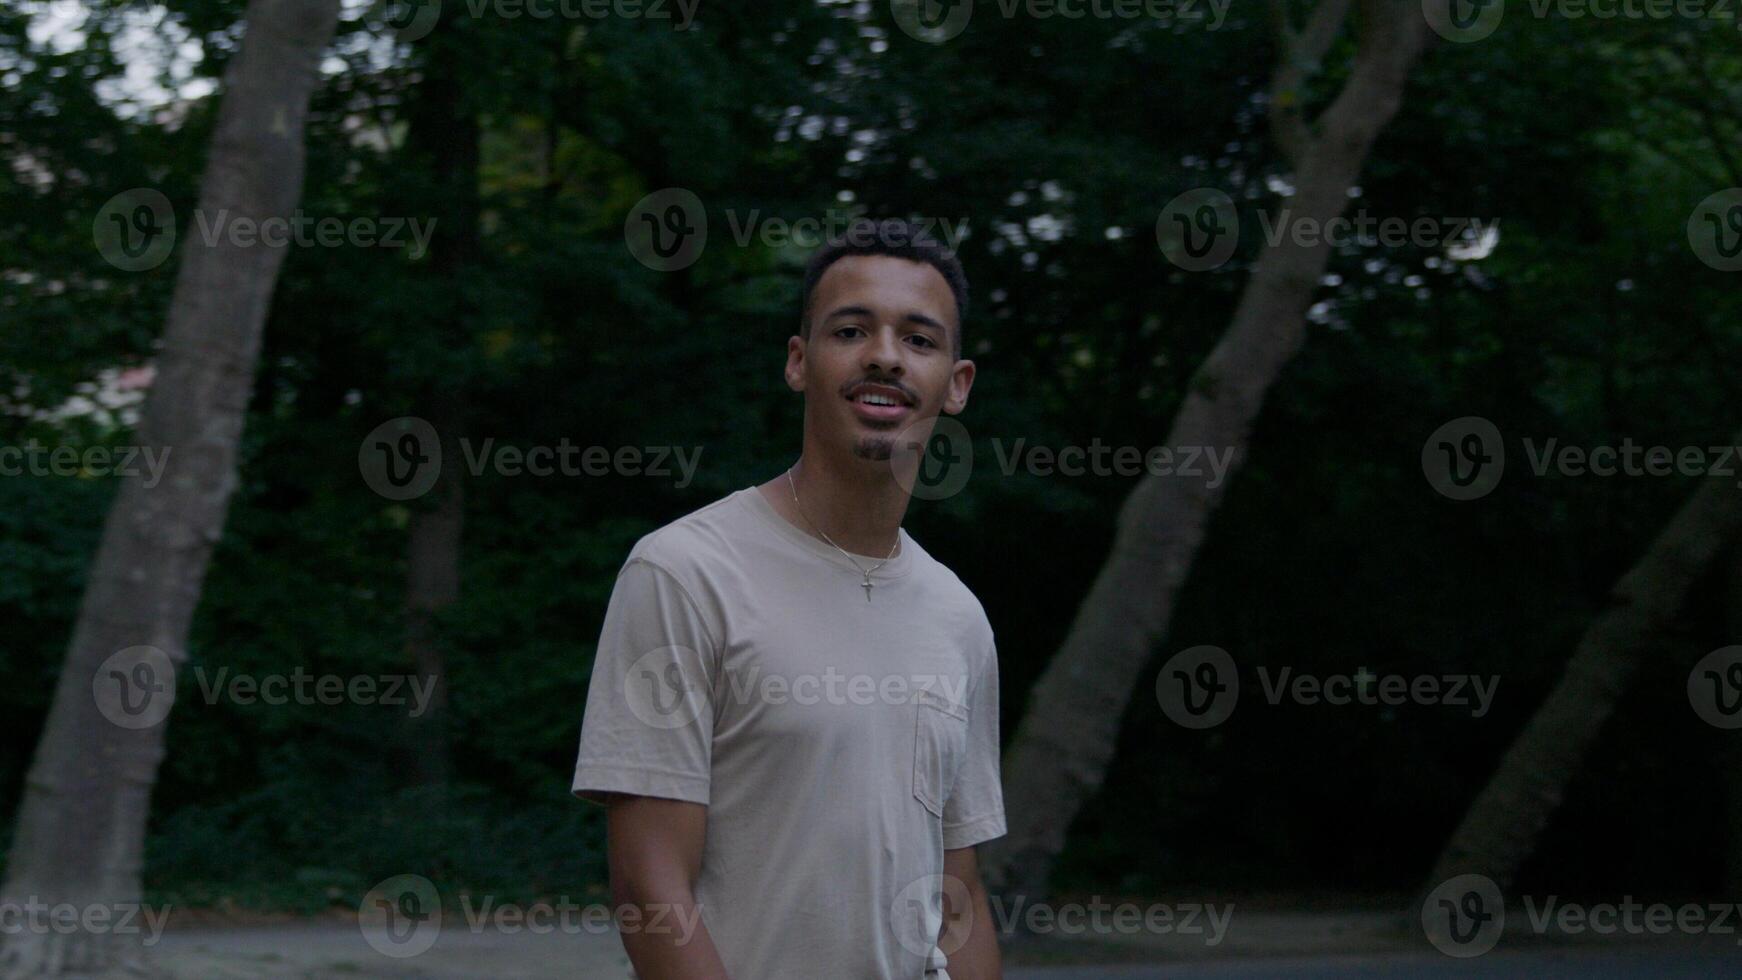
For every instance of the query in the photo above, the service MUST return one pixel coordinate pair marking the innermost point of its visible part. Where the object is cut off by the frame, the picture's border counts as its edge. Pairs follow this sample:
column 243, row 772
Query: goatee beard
column 874, row 448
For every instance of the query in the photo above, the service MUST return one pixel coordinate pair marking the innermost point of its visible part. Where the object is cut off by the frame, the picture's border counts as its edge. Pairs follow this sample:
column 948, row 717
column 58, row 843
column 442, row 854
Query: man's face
column 879, row 362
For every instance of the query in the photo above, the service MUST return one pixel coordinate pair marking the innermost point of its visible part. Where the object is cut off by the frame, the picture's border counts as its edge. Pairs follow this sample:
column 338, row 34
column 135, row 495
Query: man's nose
column 884, row 351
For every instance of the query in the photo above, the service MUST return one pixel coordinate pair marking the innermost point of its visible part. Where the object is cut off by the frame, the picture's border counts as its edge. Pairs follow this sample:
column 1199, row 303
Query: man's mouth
column 879, row 403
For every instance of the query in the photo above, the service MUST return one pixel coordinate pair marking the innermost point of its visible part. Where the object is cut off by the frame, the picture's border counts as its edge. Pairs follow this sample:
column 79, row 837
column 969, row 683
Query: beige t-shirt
column 840, row 745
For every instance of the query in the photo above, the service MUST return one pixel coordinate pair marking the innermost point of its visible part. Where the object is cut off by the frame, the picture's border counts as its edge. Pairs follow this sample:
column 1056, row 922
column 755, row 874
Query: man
column 793, row 715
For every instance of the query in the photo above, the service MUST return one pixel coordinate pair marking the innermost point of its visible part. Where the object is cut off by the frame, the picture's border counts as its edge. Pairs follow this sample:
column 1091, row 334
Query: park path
column 1290, row 946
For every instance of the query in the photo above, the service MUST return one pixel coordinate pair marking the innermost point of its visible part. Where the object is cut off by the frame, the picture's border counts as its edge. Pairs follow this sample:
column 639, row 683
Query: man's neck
column 859, row 506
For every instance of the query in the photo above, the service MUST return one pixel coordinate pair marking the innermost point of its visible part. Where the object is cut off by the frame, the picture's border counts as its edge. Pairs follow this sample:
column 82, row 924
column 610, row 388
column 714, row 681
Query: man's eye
column 922, row 340
column 844, row 331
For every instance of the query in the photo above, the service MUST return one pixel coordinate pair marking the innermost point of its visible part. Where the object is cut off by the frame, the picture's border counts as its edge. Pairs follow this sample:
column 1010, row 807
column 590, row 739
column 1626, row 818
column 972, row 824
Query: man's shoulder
column 689, row 543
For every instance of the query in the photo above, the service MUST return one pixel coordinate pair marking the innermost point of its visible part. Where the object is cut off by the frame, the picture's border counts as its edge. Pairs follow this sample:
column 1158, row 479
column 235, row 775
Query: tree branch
column 1298, row 59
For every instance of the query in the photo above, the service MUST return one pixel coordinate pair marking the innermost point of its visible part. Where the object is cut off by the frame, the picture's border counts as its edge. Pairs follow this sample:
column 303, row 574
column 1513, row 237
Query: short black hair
column 898, row 239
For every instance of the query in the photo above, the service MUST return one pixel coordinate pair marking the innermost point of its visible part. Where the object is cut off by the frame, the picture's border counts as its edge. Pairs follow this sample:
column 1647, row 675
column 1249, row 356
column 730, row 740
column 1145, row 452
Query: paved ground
column 1302, row 946
column 1535, row 965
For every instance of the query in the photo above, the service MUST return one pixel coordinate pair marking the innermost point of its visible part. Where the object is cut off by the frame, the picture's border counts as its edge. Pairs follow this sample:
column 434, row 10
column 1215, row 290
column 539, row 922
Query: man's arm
column 970, row 931
column 654, row 849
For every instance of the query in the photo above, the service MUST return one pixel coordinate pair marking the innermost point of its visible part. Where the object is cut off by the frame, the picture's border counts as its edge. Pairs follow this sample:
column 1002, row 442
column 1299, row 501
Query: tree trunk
column 432, row 584
column 1503, row 824
column 444, row 135
column 1061, row 749
column 81, row 823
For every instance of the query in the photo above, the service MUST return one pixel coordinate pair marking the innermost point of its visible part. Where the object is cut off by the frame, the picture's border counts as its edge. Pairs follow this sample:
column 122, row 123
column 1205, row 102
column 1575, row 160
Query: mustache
column 909, row 393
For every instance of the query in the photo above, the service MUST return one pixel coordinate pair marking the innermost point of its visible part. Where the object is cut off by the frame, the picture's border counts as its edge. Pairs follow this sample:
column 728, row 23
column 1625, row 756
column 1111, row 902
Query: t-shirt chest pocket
column 940, row 740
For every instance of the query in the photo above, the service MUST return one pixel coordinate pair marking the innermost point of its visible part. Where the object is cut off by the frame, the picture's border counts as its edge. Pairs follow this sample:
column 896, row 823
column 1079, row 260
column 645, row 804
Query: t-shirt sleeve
column 974, row 811
column 649, row 723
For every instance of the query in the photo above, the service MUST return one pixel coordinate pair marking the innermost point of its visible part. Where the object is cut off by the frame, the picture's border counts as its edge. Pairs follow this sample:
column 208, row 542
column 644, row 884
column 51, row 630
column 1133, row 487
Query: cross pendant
column 867, row 587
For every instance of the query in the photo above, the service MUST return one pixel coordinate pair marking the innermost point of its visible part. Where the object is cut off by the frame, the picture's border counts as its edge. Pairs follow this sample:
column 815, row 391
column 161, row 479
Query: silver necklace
column 867, row 585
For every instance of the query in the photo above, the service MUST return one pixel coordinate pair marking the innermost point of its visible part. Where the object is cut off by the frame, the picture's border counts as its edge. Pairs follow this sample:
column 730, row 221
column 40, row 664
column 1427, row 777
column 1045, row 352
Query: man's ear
column 795, row 363
column 961, row 380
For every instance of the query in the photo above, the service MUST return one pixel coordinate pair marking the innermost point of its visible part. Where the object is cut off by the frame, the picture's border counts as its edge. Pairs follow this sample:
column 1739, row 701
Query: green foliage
column 1058, row 142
